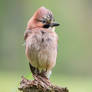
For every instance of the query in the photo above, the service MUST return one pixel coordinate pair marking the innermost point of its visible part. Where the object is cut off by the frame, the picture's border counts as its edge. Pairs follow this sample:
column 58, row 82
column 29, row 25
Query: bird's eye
column 44, row 21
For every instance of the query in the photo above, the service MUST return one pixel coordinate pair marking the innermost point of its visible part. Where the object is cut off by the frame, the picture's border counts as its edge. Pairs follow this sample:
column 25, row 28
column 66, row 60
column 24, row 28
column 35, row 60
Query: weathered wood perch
column 39, row 84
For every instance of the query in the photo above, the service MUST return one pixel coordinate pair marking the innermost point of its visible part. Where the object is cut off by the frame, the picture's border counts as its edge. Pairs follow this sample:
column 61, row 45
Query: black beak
column 54, row 24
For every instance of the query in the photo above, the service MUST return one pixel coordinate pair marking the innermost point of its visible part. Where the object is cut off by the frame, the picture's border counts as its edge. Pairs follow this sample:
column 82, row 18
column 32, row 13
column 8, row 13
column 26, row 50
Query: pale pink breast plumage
column 41, row 48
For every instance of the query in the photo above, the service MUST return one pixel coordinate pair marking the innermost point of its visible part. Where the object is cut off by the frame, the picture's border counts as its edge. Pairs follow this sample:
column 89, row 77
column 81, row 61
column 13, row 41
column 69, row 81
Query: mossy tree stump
column 39, row 84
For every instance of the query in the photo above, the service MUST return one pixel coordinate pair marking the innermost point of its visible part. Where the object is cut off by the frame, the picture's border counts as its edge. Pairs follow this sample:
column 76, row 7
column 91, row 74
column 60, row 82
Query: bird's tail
column 33, row 70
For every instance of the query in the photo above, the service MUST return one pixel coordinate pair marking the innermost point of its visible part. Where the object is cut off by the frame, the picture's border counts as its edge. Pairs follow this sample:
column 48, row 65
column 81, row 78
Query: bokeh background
column 74, row 61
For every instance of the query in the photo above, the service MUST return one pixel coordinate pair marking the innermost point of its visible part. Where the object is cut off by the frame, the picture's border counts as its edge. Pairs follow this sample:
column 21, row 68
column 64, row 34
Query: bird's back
column 41, row 48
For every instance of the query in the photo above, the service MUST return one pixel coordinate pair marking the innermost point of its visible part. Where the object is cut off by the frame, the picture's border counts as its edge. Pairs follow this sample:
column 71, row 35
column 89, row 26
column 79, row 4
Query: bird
column 41, row 42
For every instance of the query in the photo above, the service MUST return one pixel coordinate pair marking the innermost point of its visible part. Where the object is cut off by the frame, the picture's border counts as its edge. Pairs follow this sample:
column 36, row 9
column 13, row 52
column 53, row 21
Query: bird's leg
column 44, row 77
column 43, row 73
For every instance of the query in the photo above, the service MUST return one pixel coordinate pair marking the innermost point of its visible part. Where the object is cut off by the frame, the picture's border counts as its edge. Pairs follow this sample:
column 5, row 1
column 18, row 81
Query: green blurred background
column 74, row 61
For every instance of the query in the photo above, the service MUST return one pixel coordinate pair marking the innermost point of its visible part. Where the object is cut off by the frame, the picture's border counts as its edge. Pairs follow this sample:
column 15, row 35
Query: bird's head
column 42, row 18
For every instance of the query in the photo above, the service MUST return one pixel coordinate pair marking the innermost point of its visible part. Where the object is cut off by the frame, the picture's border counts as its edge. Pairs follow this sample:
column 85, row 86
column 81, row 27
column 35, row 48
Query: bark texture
column 39, row 84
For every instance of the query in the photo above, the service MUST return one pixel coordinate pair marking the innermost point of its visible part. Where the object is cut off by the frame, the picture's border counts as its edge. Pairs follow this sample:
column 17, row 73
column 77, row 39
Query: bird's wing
column 26, row 33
